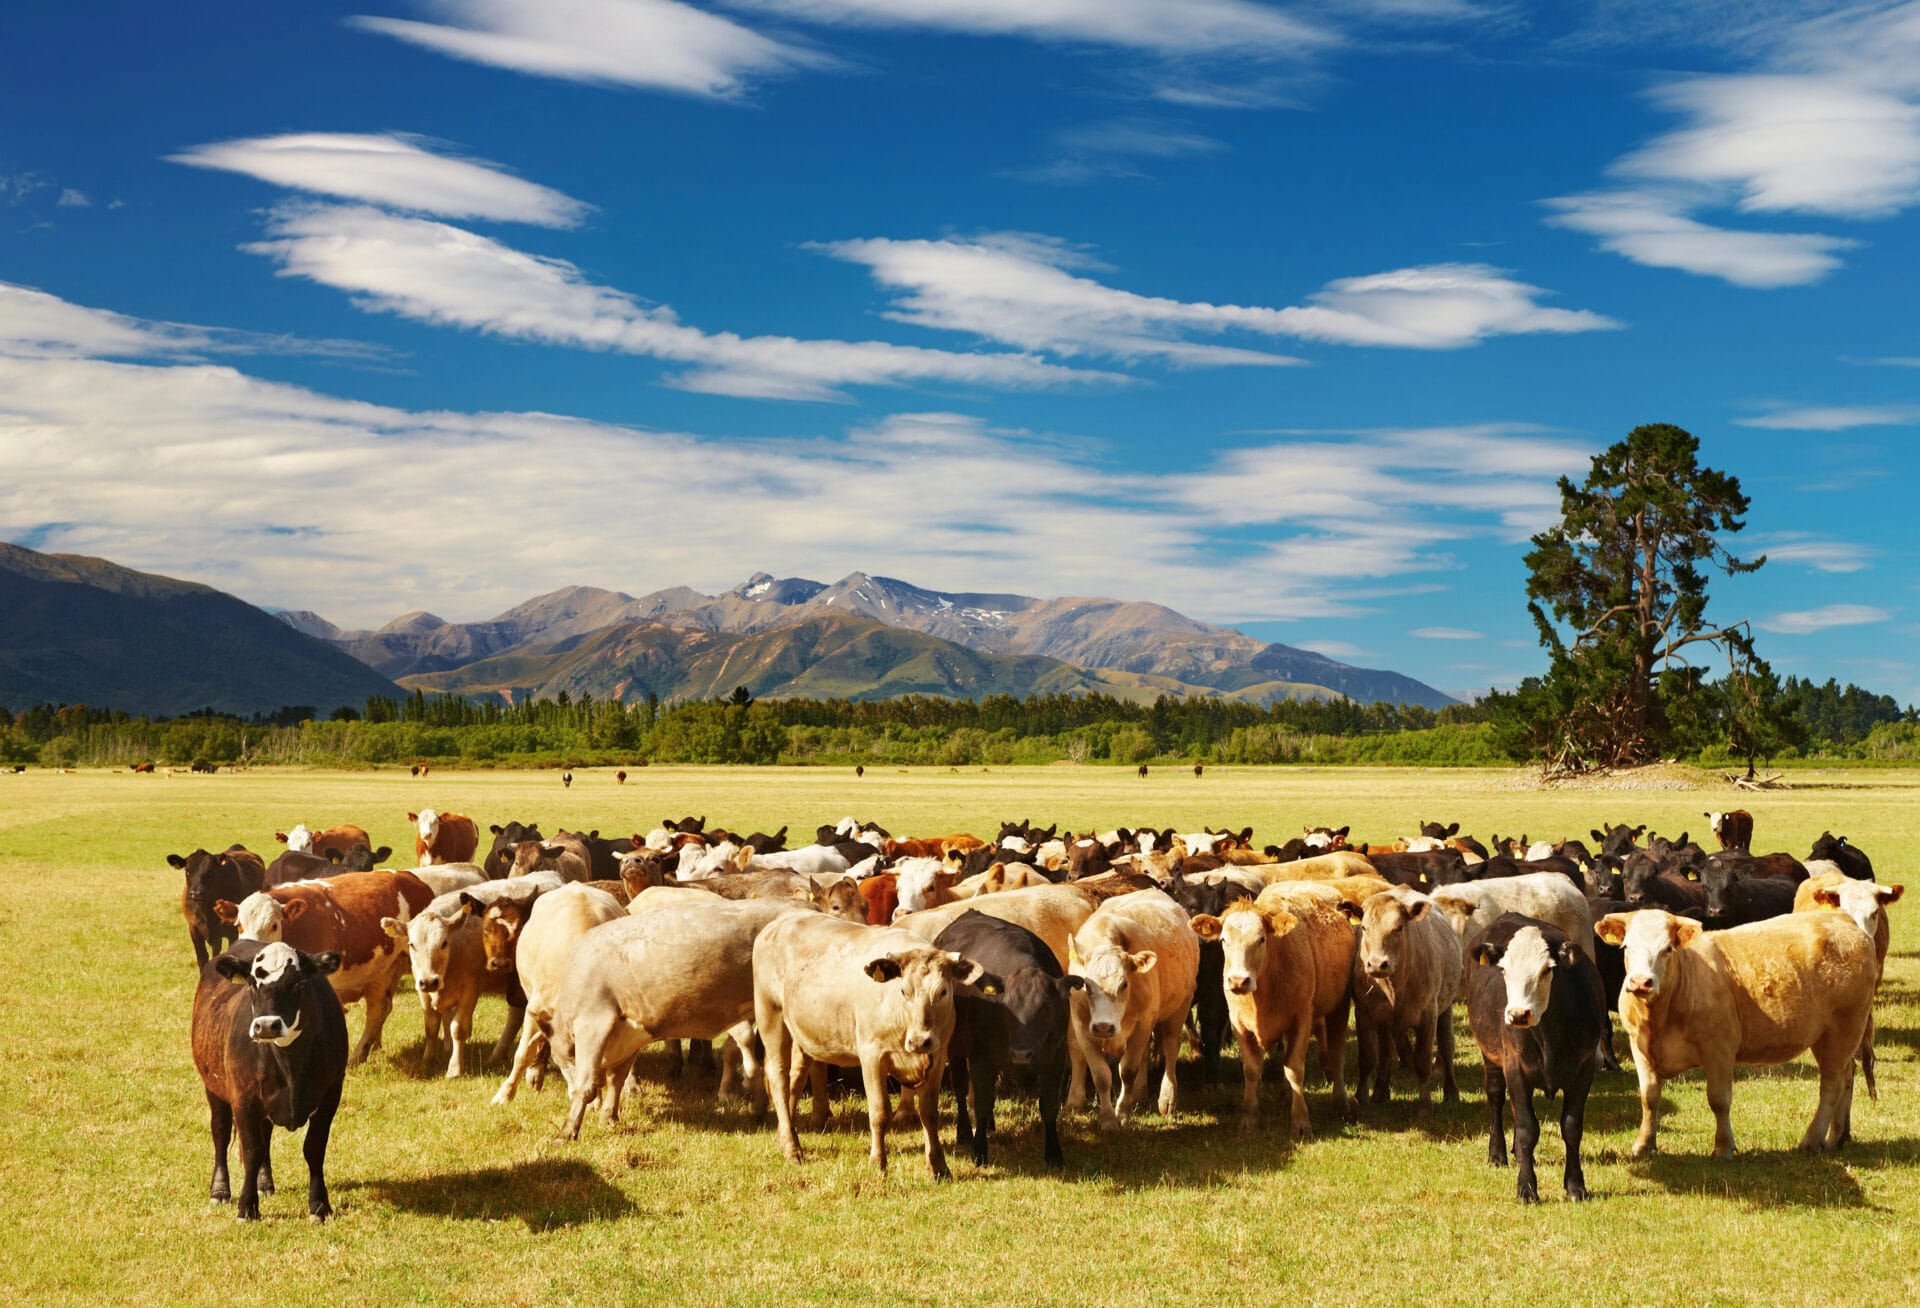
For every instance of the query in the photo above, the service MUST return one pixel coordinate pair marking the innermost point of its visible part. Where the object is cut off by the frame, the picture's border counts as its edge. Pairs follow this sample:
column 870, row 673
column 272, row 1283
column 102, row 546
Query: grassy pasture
column 440, row 1198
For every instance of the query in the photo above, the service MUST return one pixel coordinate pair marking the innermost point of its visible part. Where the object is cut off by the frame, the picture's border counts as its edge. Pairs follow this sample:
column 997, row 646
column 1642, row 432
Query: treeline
column 1820, row 720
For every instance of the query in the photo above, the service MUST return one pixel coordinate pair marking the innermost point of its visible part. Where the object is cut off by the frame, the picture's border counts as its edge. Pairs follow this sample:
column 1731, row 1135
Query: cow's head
column 299, row 840
column 1458, row 904
column 262, row 917
column 427, row 823
column 1618, row 840
column 500, row 925
column 920, row 987
column 1648, row 939
column 921, row 883
column 1036, row 1003
column 1106, row 977
column 841, row 898
column 362, row 859
column 1087, row 857
column 1528, row 959
column 1637, row 874
column 1243, row 932
column 644, row 868
column 1718, row 878
column 278, row 975
column 1863, row 901
column 429, row 941
column 206, row 876
column 1384, row 920
column 1435, row 831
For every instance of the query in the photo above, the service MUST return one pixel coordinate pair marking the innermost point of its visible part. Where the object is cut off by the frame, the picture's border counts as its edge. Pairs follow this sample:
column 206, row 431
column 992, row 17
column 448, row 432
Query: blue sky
column 1286, row 316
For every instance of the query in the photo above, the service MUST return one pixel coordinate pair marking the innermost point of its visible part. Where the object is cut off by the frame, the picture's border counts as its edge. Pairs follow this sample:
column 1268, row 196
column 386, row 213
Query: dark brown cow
column 500, row 857
column 270, row 1044
column 232, row 875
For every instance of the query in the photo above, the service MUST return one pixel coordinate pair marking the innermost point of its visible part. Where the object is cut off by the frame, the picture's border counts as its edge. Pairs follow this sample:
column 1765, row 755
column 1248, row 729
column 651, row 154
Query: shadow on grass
column 543, row 1193
column 1772, row 1178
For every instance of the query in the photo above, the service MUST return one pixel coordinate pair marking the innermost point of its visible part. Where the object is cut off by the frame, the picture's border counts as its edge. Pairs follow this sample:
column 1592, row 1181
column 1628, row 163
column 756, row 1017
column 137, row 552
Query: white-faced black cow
column 270, row 1044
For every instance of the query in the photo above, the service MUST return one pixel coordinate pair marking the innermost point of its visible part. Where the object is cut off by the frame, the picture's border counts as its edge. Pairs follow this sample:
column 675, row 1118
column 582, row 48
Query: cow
column 620, row 777
column 1025, row 1026
column 500, row 857
column 1618, row 840
column 341, row 915
column 1406, row 971
column 922, row 883
column 1758, row 994
column 1866, row 903
column 678, row 973
column 450, row 973
column 443, row 837
column 143, row 767
column 1836, row 850
column 566, row 779
column 535, row 933
column 1143, row 771
column 293, row 865
column 1211, row 897
column 568, row 857
column 1051, row 912
column 1733, row 830
column 874, row 997
column 1473, row 908
column 1288, row 978
column 270, row 1044
column 1645, row 884
column 334, row 843
column 1535, row 1007
column 1136, row 961
column 1421, row 871
column 1736, row 895
column 211, row 878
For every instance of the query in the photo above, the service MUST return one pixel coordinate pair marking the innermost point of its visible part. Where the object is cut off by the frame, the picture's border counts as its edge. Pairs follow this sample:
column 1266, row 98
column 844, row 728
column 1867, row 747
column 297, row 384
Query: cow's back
column 1320, row 867
column 1051, row 912
column 1317, row 955
column 553, row 930
column 1791, row 978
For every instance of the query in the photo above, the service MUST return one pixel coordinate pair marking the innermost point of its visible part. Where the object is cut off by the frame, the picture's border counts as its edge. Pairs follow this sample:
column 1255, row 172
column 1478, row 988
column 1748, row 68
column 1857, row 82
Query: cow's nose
column 1021, row 1057
column 1380, row 967
column 1640, row 985
column 1103, row 1029
column 919, row 1044
column 1240, row 983
column 428, row 984
column 499, row 964
column 1520, row 1017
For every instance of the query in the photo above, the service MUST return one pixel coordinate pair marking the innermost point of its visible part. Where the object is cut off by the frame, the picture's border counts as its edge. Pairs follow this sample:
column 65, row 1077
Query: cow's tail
column 1866, row 1060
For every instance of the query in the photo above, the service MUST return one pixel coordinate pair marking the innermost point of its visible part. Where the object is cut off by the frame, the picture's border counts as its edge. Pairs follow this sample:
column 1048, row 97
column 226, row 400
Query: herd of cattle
column 1035, row 959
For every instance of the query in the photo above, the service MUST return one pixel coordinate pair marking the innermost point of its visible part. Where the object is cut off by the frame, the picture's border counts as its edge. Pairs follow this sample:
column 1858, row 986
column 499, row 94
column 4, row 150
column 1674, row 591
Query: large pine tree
column 1618, row 591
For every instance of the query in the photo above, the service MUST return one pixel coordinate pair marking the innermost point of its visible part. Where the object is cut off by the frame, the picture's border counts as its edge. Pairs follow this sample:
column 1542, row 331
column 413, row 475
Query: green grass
column 440, row 1198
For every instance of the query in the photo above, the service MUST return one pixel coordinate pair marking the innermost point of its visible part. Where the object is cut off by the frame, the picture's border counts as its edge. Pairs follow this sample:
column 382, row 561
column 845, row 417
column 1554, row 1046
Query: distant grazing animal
column 270, row 1044
column 443, row 837
column 232, row 875
column 1534, row 1003
column 1198, row 769
column 566, row 779
column 1733, row 830
column 143, row 767
column 1143, row 769
column 620, row 777
column 859, row 769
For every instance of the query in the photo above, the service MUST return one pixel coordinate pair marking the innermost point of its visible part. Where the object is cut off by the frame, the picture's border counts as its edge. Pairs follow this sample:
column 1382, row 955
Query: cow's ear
column 383, row 853
column 1343, row 831
column 233, row 969
column 884, row 969
column 413, row 817
column 226, row 910
column 1569, row 954
column 1686, row 931
column 1486, row 955
column 1639, row 831
column 1452, row 831
column 322, row 964
column 1595, row 833
column 1827, row 896
column 295, row 909
column 1073, row 983
column 1352, row 911
column 1683, row 841
column 1613, row 927
column 1418, row 909
column 174, row 860
column 468, row 904
column 1206, row 926
column 1144, row 961
column 394, row 927
column 1889, row 894
column 495, row 828
column 280, row 836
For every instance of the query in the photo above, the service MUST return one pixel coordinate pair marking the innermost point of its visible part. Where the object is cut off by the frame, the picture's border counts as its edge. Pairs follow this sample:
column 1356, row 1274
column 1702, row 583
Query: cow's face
column 1648, row 939
column 278, row 976
column 1527, row 963
column 920, row 984
column 429, row 941
column 203, row 877
column 1863, row 901
column 1458, row 908
column 842, row 899
column 1718, row 879
column 427, row 822
column 1384, row 924
column 262, row 917
column 300, row 840
column 1637, row 875
column 1037, row 1005
column 1107, row 977
column 500, row 926
column 1243, row 932
column 919, row 883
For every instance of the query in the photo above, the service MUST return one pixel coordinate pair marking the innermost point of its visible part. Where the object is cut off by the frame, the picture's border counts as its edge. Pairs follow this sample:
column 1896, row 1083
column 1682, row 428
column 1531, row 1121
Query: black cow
column 1836, row 850
column 1677, row 855
column 232, row 875
column 295, row 865
column 1735, row 896
column 762, row 843
column 1438, row 832
column 1535, row 1005
column 1644, row 883
column 1501, row 865
column 500, row 857
column 1422, row 871
column 1575, row 850
column 685, row 825
column 1618, row 840
column 270, row 1044
column 1023, row 1025
column 603, row 855
column 1209, row 995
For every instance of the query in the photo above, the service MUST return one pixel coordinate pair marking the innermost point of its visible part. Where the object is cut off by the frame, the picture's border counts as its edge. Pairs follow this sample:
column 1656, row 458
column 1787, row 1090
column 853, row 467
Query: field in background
column 441, row 1198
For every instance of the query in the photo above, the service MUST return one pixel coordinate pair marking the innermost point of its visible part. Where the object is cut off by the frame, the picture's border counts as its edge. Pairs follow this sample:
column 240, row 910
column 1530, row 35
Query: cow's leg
column 750, row 1080
column 729, row 1087
column 958, row 1072
column 532, row 1045
column 1526, row 1134
column 984, row 1083
column 615, row 1085
column 1170, row 1032
column 1101, row 1073
column 1496, row 1081
column 700, row 1056
column 1079, row 1063
column 253, row 1126
column 509, row 1036
column 266, row 1159
column 879, row 1109
column 1333, row 1034
column 220, row 1126
column 778, row 1044
column 1835, row 1060
column 926, row 1106
column 435, row 1025
column 816, row 1073
column 1213, row 1034
column 1053, row 1085
column 1423, row 1062
column 1253, row 1062
column 1295, row 1066
column 589, row 1074
column 319, row 1127
column 1135, row 1068
column 1364, row 1041
column 1719, row 1076
column 200, row 952
column 1573, row 1125
column 676, row 1060
column 379, row 1002
column 1840, row 1130
column 1443, row 1030
column 1648, row 1138
column 459, row 1029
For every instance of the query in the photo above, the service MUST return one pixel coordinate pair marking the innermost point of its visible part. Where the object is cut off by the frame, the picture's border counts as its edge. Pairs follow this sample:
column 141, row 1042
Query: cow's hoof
column 1577, row 1192
column 1529, row 1194
column 266, row 1185
column 320, row 1214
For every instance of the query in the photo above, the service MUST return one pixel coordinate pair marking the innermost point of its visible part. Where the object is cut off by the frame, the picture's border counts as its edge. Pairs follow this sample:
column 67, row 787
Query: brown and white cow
column 1757, row 994
column 877, row 998
column 1733, row 830
column 1132, row 968
column 450, row 973
column 332, row 844
column 341, row 915
column 443, row 837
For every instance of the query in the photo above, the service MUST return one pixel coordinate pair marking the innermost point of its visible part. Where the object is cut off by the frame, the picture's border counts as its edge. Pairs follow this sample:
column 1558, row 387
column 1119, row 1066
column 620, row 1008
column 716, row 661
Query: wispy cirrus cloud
column 1835, row 417
column 1806, row 622
column 1036, row 292
column 1119, row 148
column 1167, row 27
column 35, row 324
column 1828, row 124
column 1816, row 553
column 393, row 170
column 1447, row 633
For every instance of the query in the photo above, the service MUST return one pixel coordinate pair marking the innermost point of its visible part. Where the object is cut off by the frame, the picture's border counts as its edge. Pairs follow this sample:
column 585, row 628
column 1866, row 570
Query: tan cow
column 450, row 973
column 676, row 973
column 542, row 949
column 877, row 998
column 1866, row 903
column 1757, row 994
column 1051, row 912
column 1133, row 967
column 340, row 915
column 1321, row 867
column 1288, row 978
column 563, row 854
column 1405, row 974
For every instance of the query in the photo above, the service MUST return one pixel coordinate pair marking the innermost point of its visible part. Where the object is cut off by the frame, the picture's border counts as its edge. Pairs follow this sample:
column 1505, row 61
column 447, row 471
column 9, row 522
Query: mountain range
column 862, row 636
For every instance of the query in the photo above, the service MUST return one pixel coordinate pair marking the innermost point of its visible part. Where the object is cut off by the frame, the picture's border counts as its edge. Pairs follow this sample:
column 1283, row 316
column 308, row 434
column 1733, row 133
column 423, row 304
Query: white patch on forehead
column 300, row 840
column 1528, row 965
column 429, row 824
column 1538, row 850
column 1317, row 840
column 1425, row 844
column 1860, row 901
column 274, row 962
column 260, row 917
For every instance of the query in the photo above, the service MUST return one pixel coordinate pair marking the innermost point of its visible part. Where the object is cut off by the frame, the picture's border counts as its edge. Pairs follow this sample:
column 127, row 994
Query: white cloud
column 437, row 273
column 658, row 44
column 1816, row 554
column 391, row 170
column 1032, row 292
column 72, row 199
column 290, row 497
column 1115, row 149
column 36, row 324
column 1447, row 633
column 1835, row 417
column 1828, row 124
column 1807, row 622
column 1170, row 27
column 1888, row 361
column 1335, row 649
